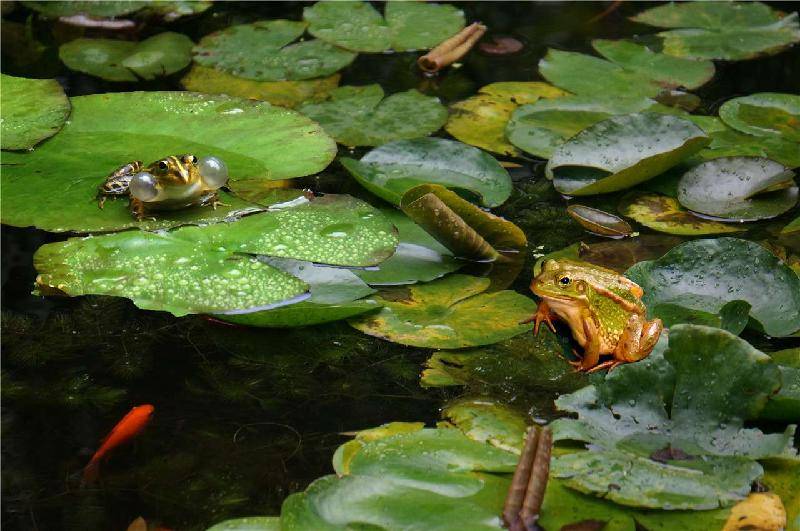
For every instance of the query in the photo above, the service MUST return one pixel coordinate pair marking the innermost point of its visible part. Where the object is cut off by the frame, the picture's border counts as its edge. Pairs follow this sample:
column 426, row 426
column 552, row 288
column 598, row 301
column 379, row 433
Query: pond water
column 245, row 417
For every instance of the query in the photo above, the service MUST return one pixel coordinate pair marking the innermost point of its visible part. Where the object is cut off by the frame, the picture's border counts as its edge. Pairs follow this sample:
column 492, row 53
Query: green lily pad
column 665, row 214
column 666, row 70
column 738, row 188
column 33, row 109
column 171, row 10
column 707, row 274
column 262, row 51
column 486, row 420
column 791, row 227
column 785, row 405
column 452, row 312
column 391, row 170
column 360, row 116
column 250, row 523
column 722, row 30
column 115, row 60
column 765, row 114
column 418, row 257
column 284, row 93
column 728, row 142
column 359, row 27
column 732, row 316
column 622, row 151
column 93, row 8
column 481, row 120
column 541, row 127
column 120, row 127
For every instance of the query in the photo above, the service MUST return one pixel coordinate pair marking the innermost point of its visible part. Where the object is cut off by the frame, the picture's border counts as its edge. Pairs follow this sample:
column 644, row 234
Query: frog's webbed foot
column 138, row 210
column 101, row 201
column 543, row 313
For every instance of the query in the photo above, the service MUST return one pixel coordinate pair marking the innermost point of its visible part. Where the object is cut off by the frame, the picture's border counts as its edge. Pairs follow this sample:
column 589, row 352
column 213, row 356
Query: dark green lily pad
column 359, row 27
column 391, row 170
column 738, row 188
column 284, row 93
column 117, row 128
column 732, row 316
column 452, row 312
column 765, row 114
column 33, row 109
column 785, row 405
column 115, row 60
column 486, row 420
column 250, row 523
column 93, row 8
column 171, row 10
column 263, row 51
column 665, row 214
column 717, row 15
column 360, row 116
column 622, row 151
column 792, row 227
column 728, row 142
column 666, row 70
column 707, row 274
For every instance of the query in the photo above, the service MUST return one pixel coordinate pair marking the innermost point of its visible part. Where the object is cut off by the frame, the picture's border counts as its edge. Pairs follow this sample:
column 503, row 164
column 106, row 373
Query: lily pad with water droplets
column 622, row 151
column 360, row 116
column 665, row 214
column 263, row 51
column 392, row 169
column 33, row 109
column 120, row 127
column 486, row 420
column 769, row 114
column 728, row 142
column 739, row 188
column 284, row 93
column 452, row 312
column 115, row 60
column 707, row 274
column 408, row 25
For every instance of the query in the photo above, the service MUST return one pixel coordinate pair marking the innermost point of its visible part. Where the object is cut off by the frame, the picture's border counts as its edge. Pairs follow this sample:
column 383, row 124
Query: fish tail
column 91, row 472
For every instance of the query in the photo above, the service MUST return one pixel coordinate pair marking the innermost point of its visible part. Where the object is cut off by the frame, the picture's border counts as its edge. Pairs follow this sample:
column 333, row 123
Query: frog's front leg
column 637, row 340
column 138, row 210
column 543, row 313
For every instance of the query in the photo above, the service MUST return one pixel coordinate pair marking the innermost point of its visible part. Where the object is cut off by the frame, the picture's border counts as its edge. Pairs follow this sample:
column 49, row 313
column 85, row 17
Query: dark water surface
column 245, row 417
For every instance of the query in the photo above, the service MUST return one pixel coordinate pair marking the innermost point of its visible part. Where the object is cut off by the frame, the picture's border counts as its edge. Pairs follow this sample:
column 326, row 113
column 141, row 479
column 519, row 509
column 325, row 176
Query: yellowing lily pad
column 284, row 93
column 33, row 109
column 481, row 120
column 665, row 214
column 120, row 127
column 360, row 116
column 452, row 312
column 769, row 114
column 263, row 51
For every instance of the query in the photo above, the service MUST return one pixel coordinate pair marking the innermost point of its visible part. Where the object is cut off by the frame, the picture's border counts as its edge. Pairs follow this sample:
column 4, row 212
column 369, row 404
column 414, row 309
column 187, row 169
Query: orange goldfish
column 129, row 427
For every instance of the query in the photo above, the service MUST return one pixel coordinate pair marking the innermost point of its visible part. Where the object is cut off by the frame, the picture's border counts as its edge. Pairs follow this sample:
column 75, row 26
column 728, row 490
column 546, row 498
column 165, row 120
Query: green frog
column 602, row 308
column 170, row 183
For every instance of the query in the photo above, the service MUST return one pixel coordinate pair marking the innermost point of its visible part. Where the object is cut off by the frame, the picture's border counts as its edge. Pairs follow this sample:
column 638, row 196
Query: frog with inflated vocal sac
column 171, row 183
column 602, row 308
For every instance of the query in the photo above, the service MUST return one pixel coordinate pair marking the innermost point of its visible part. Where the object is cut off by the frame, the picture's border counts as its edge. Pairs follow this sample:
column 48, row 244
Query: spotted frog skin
column 602, row 308
column 178, row 184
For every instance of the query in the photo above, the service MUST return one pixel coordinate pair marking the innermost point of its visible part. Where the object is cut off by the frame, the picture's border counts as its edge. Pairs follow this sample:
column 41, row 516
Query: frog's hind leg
column 638, row 339
column 117, row 182
column 138, row 210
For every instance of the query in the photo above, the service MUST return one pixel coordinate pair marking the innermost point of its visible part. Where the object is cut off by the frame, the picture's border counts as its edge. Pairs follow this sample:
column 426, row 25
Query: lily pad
column 622, row 151
column 360, row 116
column 728, row 142
column 120, row 127
column 718, row 15
column 250, row 523
column 93, row 8
column 481, row 120
column 115, row 60
column 732, row 316
column 262, row 51
column 359, row 27
column 33, row 109
column 791, row 227
column 765, row 114
column 666, row 70
column 284, row 93
column 391, row 170
column 707, row 274
column 452, row 312
column 738, row 188
column 486, row 420
column 665, row 214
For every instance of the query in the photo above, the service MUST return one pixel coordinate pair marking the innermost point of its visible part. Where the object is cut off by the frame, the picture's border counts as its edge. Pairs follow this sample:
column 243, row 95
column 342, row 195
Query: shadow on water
column 245, row 417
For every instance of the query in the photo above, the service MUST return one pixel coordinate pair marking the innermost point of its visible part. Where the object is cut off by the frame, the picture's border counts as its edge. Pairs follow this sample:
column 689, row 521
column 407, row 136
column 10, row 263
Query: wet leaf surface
column 765, row 114
column 728, row 142
column 360, row 116
column 103, row 8
column 665, row 214
column 33, row 109
column 486, row 420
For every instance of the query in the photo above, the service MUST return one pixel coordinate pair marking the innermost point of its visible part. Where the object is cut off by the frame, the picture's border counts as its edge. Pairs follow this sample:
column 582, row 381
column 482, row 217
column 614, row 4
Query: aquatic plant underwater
column 315, row 259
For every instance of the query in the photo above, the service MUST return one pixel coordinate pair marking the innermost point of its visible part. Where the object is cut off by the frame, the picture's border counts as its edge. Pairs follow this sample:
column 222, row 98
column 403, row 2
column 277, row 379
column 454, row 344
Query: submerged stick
column 452, row 49
column 538, row 482
column 519, row 483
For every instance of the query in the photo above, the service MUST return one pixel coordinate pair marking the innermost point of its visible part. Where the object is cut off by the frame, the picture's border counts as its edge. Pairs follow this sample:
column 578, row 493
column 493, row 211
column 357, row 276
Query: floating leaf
column 719, row 15
column 622, row 151
column 738, row 188
column 452, row 312
column 115, row 60
column 33, row 109
column 728, row 142
column 360, row 116
column 792, row 227
column 284, row 93
column 785, row 405
column 391, row 170
column 250, row 523
column 665, row 214
column 359, row 27
column 485, row 420
column 666, row 70
column 120, row 127
column 93, row 8
column 481, row 120
column 765, row 114
column 599, row 222
column 262, row 51
column 732, row 316
column 171, row 10
column 706, row 274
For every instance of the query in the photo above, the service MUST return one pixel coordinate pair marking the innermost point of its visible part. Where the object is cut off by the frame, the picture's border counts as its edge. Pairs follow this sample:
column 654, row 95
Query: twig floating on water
column 453, row 49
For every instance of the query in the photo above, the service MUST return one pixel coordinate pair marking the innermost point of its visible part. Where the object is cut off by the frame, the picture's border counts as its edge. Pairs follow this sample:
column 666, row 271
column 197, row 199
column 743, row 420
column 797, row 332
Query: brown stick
column 519, row 483
column 538, row 482
column 453, row 49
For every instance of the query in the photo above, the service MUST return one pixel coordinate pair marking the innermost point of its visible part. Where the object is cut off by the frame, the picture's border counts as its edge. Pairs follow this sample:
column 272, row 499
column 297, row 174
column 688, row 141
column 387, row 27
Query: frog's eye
column 143, row 186
column 190, row 159
column 162, row 165
column 213, row 171
column 564, row 281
